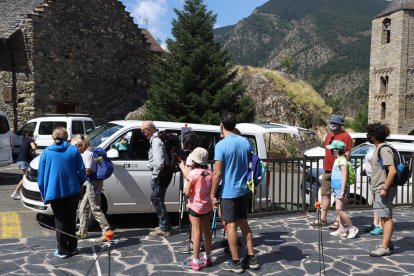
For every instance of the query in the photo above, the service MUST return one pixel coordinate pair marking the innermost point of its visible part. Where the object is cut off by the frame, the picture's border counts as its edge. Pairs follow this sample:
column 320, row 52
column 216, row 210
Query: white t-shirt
column 367, row 161
column 88, row 160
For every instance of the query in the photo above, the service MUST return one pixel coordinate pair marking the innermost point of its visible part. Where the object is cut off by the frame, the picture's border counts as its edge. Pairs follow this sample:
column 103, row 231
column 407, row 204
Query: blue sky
column 156, row 15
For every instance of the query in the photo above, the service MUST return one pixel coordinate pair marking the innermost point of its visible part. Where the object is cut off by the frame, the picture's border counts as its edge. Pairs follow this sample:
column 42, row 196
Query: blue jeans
column 159, row 188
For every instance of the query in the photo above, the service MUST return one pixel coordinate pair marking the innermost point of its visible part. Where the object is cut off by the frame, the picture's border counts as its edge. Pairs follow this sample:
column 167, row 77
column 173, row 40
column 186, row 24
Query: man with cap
column 336, row 124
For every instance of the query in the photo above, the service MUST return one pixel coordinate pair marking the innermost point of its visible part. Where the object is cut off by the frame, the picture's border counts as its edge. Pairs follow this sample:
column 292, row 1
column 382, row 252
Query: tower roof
column 397, row 5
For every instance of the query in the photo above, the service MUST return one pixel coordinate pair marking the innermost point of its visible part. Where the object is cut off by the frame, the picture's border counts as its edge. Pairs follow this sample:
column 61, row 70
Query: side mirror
column 112, row 154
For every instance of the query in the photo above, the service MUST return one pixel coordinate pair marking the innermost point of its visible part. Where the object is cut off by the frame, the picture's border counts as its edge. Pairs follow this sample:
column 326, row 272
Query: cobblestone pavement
column 285, row 245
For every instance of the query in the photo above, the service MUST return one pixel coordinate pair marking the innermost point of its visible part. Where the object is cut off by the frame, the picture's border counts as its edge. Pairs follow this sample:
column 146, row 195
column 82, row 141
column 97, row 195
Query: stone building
column 60, row 56
column 391, row 84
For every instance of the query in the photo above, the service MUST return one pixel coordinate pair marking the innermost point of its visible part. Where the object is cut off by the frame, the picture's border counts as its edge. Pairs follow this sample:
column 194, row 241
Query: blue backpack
column 256, row 174
column 104, row 166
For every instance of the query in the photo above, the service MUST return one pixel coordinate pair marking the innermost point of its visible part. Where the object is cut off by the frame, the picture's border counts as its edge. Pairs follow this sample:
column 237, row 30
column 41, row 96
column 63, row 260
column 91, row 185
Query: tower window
column 383, row 109
column 384, row 84
column 386, row 31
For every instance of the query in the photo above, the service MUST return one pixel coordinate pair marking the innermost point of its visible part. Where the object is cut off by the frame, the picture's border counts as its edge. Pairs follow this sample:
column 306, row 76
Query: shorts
column 197, row 215
column 233, row 209
column 337, row 192
column 383, row 206
column 23, row 165
column 326, row 183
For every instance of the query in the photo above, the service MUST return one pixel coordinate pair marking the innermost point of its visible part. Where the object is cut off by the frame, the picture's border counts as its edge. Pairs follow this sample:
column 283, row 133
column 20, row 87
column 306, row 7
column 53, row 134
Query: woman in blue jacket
column 60, row 177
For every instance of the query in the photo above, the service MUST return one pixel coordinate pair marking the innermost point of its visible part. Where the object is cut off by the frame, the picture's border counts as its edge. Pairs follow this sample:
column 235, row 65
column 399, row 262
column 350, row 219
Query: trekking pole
column 213, row 223
column 320, row 242
column 109, row 235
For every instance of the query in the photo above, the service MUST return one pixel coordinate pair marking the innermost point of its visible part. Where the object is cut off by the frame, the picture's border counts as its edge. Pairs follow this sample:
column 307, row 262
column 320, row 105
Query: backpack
column 104, row 166
column 403, row 172
column 256, row 174
column 351, row 179
column 172, row 144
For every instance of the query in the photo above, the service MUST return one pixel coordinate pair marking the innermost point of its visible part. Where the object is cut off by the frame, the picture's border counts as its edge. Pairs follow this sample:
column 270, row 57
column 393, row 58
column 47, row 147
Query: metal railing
column 293, row 185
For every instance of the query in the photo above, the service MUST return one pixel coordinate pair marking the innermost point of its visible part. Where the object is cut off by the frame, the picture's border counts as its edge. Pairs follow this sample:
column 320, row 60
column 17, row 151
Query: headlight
column 31, row 174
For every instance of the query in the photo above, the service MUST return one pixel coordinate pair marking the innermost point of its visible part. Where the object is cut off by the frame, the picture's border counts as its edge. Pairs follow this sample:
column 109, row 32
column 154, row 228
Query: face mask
column 334, row 127
column 334, row 152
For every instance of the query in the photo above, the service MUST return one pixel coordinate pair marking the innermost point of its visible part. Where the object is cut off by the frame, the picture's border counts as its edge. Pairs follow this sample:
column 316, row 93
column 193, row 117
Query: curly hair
column 190, row 141
column 379, row 131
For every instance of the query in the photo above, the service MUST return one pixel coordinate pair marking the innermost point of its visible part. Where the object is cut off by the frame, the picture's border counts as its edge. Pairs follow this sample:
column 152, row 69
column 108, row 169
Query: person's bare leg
column 326, row 202
column 388, row 229
column 247, row 235
column 232, row 239
column 195, row 228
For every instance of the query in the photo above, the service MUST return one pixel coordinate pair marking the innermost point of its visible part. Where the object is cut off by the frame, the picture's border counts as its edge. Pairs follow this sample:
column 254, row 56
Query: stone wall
column 88, row 55
column 394, row 60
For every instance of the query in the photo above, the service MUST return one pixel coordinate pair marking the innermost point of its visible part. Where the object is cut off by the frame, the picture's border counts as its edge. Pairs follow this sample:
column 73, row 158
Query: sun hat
column 337, row 119
column 199, row 156
column 336, row 144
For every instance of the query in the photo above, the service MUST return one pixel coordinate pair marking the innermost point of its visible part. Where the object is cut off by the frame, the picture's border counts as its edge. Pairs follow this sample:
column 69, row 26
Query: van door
column 43, row 137
column 5, row 148
column 128, row 190
column 18, row 136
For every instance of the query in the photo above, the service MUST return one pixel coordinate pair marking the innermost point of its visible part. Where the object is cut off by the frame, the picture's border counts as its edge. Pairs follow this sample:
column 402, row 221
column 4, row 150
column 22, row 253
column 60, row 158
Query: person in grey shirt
column 158, row 163
column 382, row 178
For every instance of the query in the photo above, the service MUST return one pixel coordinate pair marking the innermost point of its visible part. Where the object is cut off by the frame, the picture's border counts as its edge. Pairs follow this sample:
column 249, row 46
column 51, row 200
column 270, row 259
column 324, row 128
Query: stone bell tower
column 391, row 76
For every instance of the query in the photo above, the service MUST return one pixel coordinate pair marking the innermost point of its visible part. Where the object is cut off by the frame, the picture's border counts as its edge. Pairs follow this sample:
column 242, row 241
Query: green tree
column 193, row 81
column 361, row 119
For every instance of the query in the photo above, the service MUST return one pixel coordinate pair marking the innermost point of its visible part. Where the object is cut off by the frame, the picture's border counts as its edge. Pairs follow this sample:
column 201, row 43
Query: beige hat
column 199, row 156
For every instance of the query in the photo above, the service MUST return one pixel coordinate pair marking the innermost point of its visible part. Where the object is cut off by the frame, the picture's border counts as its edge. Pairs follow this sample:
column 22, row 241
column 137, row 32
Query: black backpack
column 403, row 172
column 172, row 145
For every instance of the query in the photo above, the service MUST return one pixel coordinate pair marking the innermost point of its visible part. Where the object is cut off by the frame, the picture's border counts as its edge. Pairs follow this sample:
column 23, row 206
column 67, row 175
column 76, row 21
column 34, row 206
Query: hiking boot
column 339, row 233
column 159, row 233
column 232, row 266
column 101, row 239
column 15, row 196
column 352, row 233
column 80, row 235
column 391, row 246
column 380, row 251
column 369, row 228
column 376, row 231
column 250, row 262
column 206, row 261
column 190, row 264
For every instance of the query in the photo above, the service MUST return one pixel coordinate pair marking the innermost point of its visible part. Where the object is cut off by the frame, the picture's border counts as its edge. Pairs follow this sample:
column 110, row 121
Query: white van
column 6, row 157
column 43, row 127
column 128, row 190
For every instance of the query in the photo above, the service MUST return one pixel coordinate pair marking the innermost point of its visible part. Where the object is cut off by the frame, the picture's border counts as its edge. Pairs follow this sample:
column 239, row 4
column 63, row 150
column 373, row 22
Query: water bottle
column 400, row 168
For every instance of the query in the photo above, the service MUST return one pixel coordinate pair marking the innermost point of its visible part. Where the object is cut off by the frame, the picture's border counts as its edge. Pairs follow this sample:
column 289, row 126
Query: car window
column 361, row 150
column 77, row 127
column 252, row 142
column 4, row 125
column 132, row 145
column 89, row 126
column 30, row 127
column 46, row 128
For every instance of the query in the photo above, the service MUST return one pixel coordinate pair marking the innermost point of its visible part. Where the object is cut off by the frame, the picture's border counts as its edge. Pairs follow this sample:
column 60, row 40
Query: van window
column 252, row 142
column 77, row 127
column 89, row 126
column 46, row 128
column 208, row 140
column 134, row 146
column 30, row 127
column 4, row 125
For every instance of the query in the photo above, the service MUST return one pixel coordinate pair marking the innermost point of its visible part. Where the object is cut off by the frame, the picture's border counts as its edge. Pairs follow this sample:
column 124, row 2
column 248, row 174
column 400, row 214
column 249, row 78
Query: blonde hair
column 82, row 139
column 59, row 135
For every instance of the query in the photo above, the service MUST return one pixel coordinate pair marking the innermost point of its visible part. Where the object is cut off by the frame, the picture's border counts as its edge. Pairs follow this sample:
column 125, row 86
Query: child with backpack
column 340, row 189
column 198, row 190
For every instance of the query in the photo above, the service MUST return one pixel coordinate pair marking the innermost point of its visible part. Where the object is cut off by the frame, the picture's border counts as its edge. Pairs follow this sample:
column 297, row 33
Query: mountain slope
column 326, row 42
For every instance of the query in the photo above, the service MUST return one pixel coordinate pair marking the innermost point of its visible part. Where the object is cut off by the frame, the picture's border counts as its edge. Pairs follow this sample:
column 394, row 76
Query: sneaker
column 159, row 233
column 190, row 264
column 250, row 262
column 206, row 261
column 56, row 254
column 369, row 228
column 15, row 196
column 352, row 233
column 391, row 247
column 232, row 266
column 376, row 231
column 80, row 235
column 339, row 233
column 380, row 251
column 101, row 239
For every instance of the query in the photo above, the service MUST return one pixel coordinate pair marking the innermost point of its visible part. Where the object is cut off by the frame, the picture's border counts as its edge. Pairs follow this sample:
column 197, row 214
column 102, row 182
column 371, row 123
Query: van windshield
column 100, row 134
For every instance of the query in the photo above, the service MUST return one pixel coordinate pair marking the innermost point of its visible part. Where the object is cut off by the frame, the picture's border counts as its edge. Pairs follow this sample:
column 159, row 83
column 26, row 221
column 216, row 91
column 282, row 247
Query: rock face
column 74, row 56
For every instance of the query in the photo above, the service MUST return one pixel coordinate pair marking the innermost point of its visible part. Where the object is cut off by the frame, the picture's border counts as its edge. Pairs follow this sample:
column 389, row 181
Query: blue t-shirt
column 336, row 177
column 234, row 152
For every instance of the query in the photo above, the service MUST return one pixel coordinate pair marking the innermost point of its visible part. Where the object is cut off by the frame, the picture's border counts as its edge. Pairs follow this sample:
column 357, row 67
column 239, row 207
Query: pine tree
column 193, row 81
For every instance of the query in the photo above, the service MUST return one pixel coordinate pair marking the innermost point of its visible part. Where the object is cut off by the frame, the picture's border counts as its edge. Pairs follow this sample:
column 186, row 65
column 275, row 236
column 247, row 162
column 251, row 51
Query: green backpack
column 351, row 172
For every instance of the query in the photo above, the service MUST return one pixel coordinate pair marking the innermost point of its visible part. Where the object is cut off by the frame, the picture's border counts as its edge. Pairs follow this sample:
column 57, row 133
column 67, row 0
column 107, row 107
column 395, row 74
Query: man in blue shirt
column 232, row 156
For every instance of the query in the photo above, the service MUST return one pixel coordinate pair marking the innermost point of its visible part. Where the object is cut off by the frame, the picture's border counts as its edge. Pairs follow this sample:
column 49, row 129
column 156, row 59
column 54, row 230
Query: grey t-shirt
column 378, row 175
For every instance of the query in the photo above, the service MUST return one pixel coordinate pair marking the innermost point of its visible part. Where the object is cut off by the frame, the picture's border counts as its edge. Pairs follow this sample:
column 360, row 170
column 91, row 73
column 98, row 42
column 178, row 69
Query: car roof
column 391, row 137
column 59, row 118
column 267, row 128
column 163, row 124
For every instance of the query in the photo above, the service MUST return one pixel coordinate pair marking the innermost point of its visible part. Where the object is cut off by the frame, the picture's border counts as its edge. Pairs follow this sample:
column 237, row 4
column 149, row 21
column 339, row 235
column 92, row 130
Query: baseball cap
column 199, row 156
column 337, row 119
column 336, row 144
